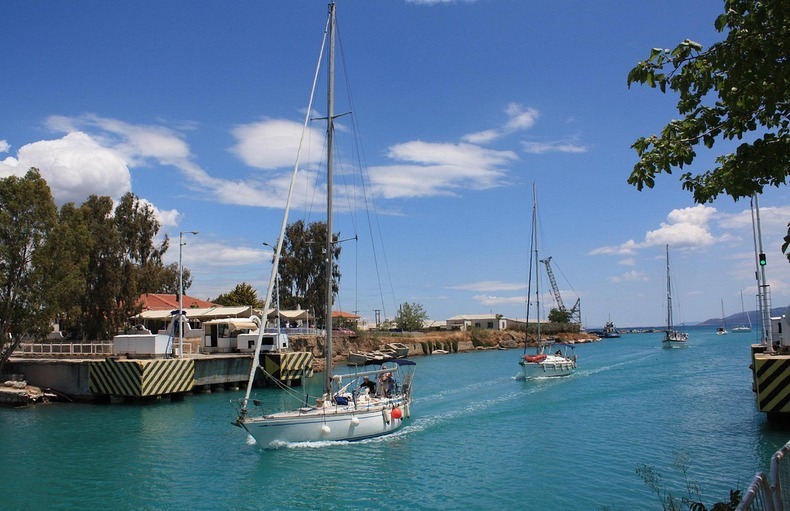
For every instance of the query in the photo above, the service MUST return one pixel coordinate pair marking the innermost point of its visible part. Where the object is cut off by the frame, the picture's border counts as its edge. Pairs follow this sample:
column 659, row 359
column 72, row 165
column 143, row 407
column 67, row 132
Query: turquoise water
column 478, row 439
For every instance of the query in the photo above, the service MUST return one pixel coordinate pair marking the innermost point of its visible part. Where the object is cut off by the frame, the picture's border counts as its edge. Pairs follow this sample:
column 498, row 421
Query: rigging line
column 366, row 194
column 280, row 239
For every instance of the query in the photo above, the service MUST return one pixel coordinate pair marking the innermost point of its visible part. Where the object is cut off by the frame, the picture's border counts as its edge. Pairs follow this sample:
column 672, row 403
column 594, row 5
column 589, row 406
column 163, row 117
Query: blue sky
column 196, row 107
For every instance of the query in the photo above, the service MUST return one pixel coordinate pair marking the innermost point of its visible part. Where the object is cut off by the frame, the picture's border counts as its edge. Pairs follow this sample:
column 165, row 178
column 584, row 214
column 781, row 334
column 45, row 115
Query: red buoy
column 397, row 413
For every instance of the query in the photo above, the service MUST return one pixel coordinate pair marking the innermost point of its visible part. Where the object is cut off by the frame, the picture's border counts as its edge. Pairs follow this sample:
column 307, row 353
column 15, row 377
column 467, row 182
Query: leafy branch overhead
column 737, row 87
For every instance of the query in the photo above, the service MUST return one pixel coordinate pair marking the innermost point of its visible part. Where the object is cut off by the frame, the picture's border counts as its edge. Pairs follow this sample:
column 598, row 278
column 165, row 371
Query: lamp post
column 181, row 244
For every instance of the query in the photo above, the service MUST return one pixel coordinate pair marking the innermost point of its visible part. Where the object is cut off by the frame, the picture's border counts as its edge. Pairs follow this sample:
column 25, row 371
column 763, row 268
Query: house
column 464, row 322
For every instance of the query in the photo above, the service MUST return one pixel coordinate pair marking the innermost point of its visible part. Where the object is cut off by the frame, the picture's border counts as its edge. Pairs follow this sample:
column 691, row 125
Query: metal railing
column 65, row 348
column 766, row 494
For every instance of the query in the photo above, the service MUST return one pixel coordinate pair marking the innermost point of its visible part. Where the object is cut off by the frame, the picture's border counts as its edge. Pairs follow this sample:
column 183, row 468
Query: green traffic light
column 762, row 259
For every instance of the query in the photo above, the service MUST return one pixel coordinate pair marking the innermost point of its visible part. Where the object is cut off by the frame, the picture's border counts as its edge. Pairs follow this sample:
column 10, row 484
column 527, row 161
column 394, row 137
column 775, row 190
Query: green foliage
column 84, row 266
column 27, row 216
column 410, row 317
column 242, row 295
column 559, row 316
column 302, row 268
column 693, row 491
column 737, row 87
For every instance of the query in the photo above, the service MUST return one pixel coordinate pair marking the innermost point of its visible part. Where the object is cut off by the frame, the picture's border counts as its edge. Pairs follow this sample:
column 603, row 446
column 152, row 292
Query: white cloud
column 438, row 169
column 271, row 143
column 4, row 147
column 74, row 166
column 519, row 119
column 489, row 300
column 552, row 147
column 490, row 285
column 168, row 219
column 684, row 228
column 630, row 276
column 216, row 254
column 627, row 248
column 687, row 228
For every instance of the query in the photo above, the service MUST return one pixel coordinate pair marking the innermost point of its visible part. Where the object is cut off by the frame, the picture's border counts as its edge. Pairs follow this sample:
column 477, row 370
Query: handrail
column 758, row 496
column 776, row 478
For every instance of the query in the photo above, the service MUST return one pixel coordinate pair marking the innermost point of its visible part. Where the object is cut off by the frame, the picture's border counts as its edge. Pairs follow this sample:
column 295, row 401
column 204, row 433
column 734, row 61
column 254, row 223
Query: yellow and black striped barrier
column 141, row 378
column 288, row 366
column 772, row 382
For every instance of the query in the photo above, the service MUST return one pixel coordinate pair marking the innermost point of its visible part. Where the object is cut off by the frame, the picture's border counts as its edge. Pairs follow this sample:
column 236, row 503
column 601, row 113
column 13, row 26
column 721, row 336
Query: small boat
column 543, row 363
column 743, row 328
column 400, row 349
column 347, row 410
column 672, row 338
column 609, row 331
column 722, row 330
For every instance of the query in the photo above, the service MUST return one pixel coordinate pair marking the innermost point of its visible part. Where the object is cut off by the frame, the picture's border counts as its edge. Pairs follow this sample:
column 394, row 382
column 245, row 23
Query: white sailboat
column 347, row 410
column 672, row 338
column 544, row 363
column 743, row 328
column 722, row 330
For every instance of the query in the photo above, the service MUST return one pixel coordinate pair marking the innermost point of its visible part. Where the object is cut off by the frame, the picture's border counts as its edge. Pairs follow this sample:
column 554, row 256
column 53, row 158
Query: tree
column 242, row 295
column 137, row 227
column 27, row 215
column 737, row 87
column 410, row 317
column 302, row 268
column 66, row 256
column 559, row 316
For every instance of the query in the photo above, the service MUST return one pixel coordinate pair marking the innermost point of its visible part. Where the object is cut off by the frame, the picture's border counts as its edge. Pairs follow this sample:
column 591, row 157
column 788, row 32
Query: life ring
column 534, row 358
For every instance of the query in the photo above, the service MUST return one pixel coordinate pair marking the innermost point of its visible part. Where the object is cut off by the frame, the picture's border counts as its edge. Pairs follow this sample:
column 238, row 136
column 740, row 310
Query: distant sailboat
column 672, row 338
column 743, row 328
column 722, row 330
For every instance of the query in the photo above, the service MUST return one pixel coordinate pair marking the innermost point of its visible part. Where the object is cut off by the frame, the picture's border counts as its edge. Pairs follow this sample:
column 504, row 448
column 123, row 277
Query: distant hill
column 741, row 319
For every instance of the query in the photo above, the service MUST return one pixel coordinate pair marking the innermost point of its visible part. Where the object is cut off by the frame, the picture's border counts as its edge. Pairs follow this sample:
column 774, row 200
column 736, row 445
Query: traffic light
column 762, row 259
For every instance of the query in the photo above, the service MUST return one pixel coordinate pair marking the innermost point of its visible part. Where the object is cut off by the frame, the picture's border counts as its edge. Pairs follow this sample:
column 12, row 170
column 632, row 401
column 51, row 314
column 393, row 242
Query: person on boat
column 387, row 383
column 558, row 353
column 370, row 385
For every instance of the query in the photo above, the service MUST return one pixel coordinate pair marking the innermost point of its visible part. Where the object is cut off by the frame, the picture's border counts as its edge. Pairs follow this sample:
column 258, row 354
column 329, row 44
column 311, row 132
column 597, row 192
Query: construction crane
column 574, row 315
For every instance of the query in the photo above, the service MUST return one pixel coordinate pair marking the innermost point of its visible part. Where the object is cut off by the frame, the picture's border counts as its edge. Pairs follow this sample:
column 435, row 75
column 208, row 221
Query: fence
column 79, row 348
column 66, row 348
column 767, row 495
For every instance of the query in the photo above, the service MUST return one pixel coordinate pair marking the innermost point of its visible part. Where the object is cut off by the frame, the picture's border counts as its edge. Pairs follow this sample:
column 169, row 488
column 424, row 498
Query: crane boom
column 575, row 312
column 554, row 288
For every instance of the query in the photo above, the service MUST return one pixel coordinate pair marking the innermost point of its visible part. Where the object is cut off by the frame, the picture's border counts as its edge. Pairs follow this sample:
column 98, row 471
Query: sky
column 197, row 108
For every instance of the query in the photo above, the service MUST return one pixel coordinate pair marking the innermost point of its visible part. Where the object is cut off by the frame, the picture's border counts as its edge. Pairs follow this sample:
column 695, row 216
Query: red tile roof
column 341, row 314
column 155, row 301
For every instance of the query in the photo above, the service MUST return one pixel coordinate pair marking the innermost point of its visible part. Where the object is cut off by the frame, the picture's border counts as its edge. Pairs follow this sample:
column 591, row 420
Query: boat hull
column 550, row 367
column 330, row 423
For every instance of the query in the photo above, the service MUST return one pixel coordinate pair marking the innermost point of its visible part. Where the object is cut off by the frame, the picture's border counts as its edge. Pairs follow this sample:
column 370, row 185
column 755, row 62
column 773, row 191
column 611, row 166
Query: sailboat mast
column 537, row 266
column 669, row 297
column 330, row 131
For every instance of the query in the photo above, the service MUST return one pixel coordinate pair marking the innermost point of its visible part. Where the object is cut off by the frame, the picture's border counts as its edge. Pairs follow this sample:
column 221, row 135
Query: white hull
column 675, row 340
column 327, row 423
column 552, row 365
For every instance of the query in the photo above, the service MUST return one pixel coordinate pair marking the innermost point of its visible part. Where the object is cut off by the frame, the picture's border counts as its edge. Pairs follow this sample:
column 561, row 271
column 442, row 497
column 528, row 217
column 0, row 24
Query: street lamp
column 181, row 244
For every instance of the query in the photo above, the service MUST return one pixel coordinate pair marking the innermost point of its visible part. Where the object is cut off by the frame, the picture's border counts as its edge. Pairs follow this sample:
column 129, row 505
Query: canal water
column 478, row 439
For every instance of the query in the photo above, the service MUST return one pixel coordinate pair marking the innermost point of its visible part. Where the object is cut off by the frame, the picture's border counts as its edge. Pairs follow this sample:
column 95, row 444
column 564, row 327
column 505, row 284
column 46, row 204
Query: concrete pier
column 115, row 378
